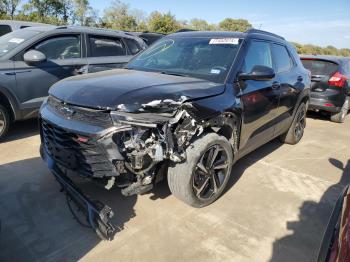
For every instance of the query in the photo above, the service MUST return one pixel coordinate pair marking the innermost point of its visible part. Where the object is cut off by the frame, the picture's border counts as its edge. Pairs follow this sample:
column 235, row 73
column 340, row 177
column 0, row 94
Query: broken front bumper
column 97, row 214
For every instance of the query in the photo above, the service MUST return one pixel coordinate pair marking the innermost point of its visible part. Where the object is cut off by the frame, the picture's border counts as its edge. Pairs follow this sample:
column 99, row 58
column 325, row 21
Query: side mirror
column 258, row 73
column 34, row 57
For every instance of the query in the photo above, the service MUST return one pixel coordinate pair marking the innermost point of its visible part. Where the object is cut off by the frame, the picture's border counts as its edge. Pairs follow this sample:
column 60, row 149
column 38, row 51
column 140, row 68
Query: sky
column 319, row 22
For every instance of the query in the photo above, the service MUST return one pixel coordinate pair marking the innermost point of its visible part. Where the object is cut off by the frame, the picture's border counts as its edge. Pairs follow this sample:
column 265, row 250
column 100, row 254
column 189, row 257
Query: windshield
column 10, row 41
column 204, row 58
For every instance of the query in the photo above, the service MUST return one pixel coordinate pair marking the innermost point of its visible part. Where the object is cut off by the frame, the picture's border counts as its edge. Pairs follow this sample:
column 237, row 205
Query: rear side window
column 282, row 59
column 259, row 53
column 106, row 46
column 134, row 47
column 4, row 29
column 60, row 47
column 320, row 67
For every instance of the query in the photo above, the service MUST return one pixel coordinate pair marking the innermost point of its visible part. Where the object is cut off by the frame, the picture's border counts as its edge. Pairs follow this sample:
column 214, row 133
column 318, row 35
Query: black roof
column 227, row 34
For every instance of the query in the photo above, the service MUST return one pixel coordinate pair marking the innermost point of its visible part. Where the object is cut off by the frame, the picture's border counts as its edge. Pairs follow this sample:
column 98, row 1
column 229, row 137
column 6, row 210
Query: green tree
column 163, row 23
column 47, row 11
column 199, row 24
column 9, row 7
column 117, row 16
column 230, row 24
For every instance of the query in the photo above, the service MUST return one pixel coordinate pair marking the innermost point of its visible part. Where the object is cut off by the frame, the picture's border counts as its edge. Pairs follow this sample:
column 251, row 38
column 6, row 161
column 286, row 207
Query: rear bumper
column 331, row 100
column 321, row 104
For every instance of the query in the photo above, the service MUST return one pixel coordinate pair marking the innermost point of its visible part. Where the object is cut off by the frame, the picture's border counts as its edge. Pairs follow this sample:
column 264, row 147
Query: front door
column 259, row 98
column 64, row 59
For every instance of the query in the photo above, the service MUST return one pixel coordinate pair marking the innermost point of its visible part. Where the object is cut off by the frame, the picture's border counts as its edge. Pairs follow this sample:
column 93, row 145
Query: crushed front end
column 128, row 150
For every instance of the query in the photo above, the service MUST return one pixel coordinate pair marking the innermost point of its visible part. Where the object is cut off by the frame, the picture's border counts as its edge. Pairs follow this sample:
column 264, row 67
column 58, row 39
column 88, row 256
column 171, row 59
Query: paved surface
column 275, row 209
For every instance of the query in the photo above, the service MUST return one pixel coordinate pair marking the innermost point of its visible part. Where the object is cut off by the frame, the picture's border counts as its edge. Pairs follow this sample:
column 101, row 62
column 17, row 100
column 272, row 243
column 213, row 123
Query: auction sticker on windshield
column 224, row 41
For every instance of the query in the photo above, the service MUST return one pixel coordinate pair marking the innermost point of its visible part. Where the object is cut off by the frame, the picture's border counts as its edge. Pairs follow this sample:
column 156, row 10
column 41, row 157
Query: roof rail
column 257, row 31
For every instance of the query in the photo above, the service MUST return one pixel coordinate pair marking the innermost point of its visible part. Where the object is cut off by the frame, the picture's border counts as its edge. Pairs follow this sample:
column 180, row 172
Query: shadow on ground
column 36, row 224
column 303, row 243
column 242, row 164
column 22, row 129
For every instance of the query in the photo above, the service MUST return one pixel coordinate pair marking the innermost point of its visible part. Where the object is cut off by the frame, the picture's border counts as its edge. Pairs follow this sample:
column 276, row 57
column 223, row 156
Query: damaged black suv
column 188, row 107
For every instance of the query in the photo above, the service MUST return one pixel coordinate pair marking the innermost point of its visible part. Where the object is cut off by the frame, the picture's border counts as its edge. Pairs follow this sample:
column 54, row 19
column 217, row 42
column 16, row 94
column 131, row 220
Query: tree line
column 120, row 16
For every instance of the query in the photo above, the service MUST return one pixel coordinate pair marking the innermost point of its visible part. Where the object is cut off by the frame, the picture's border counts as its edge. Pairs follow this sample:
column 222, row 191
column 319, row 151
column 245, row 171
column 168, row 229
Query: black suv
column 330, row 88
column 34, row 58
column 189, row 107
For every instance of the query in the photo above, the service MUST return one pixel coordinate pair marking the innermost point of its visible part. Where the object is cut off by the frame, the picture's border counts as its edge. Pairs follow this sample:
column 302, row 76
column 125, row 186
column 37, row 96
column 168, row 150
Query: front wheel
column 202, row 178
column 296, row 130
column 4, row 122
column 340, row 116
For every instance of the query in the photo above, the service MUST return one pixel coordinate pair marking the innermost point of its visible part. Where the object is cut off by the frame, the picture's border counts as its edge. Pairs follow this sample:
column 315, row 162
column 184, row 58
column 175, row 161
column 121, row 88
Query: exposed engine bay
column 146, row 146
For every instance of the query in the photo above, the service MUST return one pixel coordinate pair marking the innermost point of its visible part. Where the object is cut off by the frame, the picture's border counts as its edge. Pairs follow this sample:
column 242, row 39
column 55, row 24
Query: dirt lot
column 275, row 209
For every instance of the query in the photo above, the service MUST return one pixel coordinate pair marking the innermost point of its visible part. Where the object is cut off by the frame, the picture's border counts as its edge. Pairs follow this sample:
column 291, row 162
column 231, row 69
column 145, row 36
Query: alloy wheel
column 300, row 124
column 2, row 122
column 210, row 173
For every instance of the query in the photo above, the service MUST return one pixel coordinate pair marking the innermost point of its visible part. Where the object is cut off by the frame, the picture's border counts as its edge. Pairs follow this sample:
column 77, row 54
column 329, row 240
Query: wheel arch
column 227, row 125
column 10, row 103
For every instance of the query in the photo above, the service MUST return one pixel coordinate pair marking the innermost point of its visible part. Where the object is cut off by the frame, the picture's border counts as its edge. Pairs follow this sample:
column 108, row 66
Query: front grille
column 87, row 158
column 95, row 117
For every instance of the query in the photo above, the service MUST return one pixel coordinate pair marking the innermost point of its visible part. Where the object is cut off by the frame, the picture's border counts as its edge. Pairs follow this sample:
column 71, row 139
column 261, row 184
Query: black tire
column 340, row 116
column 5, row 121
column 296, row 130
column 184, row 178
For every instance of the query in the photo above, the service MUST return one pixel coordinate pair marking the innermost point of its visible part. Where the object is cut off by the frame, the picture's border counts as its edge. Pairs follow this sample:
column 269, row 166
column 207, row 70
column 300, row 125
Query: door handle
column 276, row 85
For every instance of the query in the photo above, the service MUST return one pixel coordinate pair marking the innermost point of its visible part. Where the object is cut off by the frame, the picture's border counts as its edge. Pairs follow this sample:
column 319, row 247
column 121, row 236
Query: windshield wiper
column 173, row 74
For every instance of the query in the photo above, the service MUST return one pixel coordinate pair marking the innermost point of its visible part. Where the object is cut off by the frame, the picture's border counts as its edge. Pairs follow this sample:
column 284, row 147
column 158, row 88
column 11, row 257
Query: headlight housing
column 139, row 119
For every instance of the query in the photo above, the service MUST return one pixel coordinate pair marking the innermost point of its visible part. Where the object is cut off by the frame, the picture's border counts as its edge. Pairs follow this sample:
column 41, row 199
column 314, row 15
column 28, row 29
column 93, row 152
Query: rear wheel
column 4, row 122
column 340, row 116
column 296, row 130
column 202, row 178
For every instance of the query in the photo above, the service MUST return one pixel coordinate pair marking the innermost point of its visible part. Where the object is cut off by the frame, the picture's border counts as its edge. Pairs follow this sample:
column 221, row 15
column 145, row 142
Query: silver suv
column 32, row 59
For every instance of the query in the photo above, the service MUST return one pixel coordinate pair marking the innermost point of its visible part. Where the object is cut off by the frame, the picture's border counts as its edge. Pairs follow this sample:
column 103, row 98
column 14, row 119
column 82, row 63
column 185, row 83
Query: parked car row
column 188, row 107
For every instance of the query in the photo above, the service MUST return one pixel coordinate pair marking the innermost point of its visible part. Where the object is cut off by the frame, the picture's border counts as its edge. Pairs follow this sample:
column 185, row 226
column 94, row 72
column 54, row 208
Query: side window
column 134, row 47
column 106, row 46
column 259, row 53
column 60, row 47
column 4, row 29
column 282, row 59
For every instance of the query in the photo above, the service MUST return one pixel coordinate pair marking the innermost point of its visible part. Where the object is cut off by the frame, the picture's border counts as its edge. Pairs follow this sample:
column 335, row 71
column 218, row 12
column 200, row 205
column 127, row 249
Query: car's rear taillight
column 337, row 80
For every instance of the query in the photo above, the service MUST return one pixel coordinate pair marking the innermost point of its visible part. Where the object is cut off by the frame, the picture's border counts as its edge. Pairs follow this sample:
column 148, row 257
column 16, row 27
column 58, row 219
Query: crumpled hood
column 131, row 90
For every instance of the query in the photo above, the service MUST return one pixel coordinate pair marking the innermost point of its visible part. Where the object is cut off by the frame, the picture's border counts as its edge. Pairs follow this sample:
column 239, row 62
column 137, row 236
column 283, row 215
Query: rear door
column 290, row 80
column 106, row 52
column 64, row 59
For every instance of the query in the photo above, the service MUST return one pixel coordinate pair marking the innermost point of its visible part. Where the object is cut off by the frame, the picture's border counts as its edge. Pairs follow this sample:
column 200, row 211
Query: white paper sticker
column 215, row 71
column 224, row 41
column 16, row 40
